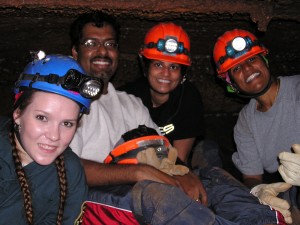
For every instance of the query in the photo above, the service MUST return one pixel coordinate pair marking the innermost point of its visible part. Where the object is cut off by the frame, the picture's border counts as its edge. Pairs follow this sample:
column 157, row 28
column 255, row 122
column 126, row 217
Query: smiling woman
column 34, row 154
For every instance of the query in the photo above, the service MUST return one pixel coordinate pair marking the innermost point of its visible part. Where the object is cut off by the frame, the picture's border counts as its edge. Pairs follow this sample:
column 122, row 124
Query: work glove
column 290, row 165
column 167, row 165
column 266, row 193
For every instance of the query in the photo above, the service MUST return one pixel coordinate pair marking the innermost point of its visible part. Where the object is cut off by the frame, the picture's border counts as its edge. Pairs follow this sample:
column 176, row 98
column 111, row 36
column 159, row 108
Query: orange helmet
column 234, row 47
column 167, row 42
column 136, row 140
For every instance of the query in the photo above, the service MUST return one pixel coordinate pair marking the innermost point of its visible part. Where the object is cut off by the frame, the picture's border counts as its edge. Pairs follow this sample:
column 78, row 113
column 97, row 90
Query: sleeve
column 246, row 158
column 77, row 187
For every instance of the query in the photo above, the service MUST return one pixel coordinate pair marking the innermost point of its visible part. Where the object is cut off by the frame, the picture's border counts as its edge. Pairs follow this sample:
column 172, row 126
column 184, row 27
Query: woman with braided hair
column 41, row 179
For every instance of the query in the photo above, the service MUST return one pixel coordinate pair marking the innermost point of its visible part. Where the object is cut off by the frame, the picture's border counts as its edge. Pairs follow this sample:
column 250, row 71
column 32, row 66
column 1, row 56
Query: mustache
column 102, row 57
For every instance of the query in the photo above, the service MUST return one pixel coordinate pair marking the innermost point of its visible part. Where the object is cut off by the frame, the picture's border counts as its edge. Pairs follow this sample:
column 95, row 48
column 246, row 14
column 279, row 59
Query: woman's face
column 47, row 126
column 252, row 75
column 164, row 76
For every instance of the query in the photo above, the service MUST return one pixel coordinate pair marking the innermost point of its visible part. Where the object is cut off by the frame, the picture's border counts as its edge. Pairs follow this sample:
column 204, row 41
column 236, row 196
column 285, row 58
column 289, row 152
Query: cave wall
column 32, row 25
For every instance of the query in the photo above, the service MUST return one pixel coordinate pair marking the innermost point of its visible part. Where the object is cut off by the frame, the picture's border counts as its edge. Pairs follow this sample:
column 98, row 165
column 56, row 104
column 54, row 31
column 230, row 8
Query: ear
column 16, row 116
column 74, row 53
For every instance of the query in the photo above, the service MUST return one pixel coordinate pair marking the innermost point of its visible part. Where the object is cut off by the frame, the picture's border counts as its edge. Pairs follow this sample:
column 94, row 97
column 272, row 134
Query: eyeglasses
column 94, row 44
column 73, row 80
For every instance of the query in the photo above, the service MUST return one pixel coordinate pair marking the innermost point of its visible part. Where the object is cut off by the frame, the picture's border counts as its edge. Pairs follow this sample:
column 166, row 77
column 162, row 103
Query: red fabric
column 99, row 214
column 280, row 217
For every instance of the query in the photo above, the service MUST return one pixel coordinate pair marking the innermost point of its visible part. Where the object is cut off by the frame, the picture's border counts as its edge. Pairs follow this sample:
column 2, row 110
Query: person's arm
column 252, row 180
column 112, row 174
column 184, row 147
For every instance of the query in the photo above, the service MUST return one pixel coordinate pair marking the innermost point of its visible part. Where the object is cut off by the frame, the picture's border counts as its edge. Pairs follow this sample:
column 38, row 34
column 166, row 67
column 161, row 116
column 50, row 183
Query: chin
column 45, row 162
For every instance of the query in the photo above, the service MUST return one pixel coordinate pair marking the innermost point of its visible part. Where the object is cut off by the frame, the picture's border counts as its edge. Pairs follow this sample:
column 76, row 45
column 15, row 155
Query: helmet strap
column 247, row 95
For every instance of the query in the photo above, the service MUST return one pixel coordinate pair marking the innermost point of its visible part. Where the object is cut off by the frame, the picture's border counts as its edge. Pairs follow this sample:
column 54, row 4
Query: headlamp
column 88, row 87
column 170, row 45
column 73, row 80
column 237, row 47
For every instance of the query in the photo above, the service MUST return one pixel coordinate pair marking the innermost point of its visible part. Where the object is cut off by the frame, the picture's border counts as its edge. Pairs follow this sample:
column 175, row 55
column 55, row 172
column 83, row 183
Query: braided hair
column 22, row 102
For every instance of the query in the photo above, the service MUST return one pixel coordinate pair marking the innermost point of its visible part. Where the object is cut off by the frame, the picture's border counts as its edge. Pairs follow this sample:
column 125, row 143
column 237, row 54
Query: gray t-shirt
column 261, row 136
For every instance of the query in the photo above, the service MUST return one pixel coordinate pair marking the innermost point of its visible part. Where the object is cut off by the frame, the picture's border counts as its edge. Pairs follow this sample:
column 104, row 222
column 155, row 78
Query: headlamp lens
column 91, row 88
column 171, row 45
column 239, row 44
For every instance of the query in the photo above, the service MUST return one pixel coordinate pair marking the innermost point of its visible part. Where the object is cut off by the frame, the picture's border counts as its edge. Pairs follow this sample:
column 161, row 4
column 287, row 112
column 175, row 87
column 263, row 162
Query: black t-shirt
column 180, row 117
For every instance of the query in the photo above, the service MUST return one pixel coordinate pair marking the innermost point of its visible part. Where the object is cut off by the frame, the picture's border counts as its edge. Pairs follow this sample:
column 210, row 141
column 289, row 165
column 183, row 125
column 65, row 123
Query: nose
column 101, row 49
column 53, row 133
column 247, row 66
column 166, row 71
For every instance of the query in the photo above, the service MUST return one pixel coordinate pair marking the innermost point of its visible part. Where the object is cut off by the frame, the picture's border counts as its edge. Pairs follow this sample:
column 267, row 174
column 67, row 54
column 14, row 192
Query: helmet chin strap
column 247, row 95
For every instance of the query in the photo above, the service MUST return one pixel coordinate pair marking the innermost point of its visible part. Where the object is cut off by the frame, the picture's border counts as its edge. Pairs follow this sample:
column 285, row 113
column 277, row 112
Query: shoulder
column 247, row 111
column 290, row 86
column 191, row 91
column 72, row 161
column 191, row 96
column 5, row 124
column 5, row 147
column 129, row 100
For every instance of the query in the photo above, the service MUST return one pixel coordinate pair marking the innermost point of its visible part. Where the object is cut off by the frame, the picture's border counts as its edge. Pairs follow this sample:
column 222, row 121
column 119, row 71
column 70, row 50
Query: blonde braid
column 22, row 180
column 61, row 170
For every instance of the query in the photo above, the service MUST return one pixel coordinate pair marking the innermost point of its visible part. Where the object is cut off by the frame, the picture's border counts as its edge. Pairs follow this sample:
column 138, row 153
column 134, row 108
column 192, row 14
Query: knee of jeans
column 160, row 203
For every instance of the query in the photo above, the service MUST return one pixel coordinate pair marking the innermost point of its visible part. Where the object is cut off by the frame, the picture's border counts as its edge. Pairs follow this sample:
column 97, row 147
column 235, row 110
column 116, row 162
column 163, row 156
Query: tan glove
column 167, row 165
column 266, row 193
column 290, row 165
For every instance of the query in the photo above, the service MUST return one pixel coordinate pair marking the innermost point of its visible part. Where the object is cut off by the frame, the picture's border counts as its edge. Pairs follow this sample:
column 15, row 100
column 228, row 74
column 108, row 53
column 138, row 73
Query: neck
column 105, row 89
column 266, row 101
column 158, row 99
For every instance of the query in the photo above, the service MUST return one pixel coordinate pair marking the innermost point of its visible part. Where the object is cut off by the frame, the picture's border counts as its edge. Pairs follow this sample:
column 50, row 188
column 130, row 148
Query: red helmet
column 167, row 42
column 233, row 47
column 136, row 140
column 126, row 152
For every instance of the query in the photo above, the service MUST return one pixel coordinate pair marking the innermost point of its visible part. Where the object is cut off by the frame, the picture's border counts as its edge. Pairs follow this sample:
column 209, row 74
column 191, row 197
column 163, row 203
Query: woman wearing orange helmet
column 270, row 122
column 174, row 104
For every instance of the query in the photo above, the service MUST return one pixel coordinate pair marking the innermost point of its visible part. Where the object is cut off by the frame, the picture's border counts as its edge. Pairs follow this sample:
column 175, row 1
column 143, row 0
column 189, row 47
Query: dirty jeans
column 157, row 204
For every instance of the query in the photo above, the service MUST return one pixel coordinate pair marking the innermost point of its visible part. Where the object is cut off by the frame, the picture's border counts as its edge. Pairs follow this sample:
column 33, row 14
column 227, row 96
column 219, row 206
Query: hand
column 290, row 165
column 193, row 187
column 266, row 193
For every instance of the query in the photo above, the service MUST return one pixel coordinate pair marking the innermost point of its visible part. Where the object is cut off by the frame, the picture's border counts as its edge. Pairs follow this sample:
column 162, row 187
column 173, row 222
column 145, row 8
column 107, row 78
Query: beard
column 103, row 75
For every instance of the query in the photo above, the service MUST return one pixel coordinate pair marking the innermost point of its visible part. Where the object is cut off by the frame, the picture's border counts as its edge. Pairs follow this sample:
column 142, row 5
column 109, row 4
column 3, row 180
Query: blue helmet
column 61, row 75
